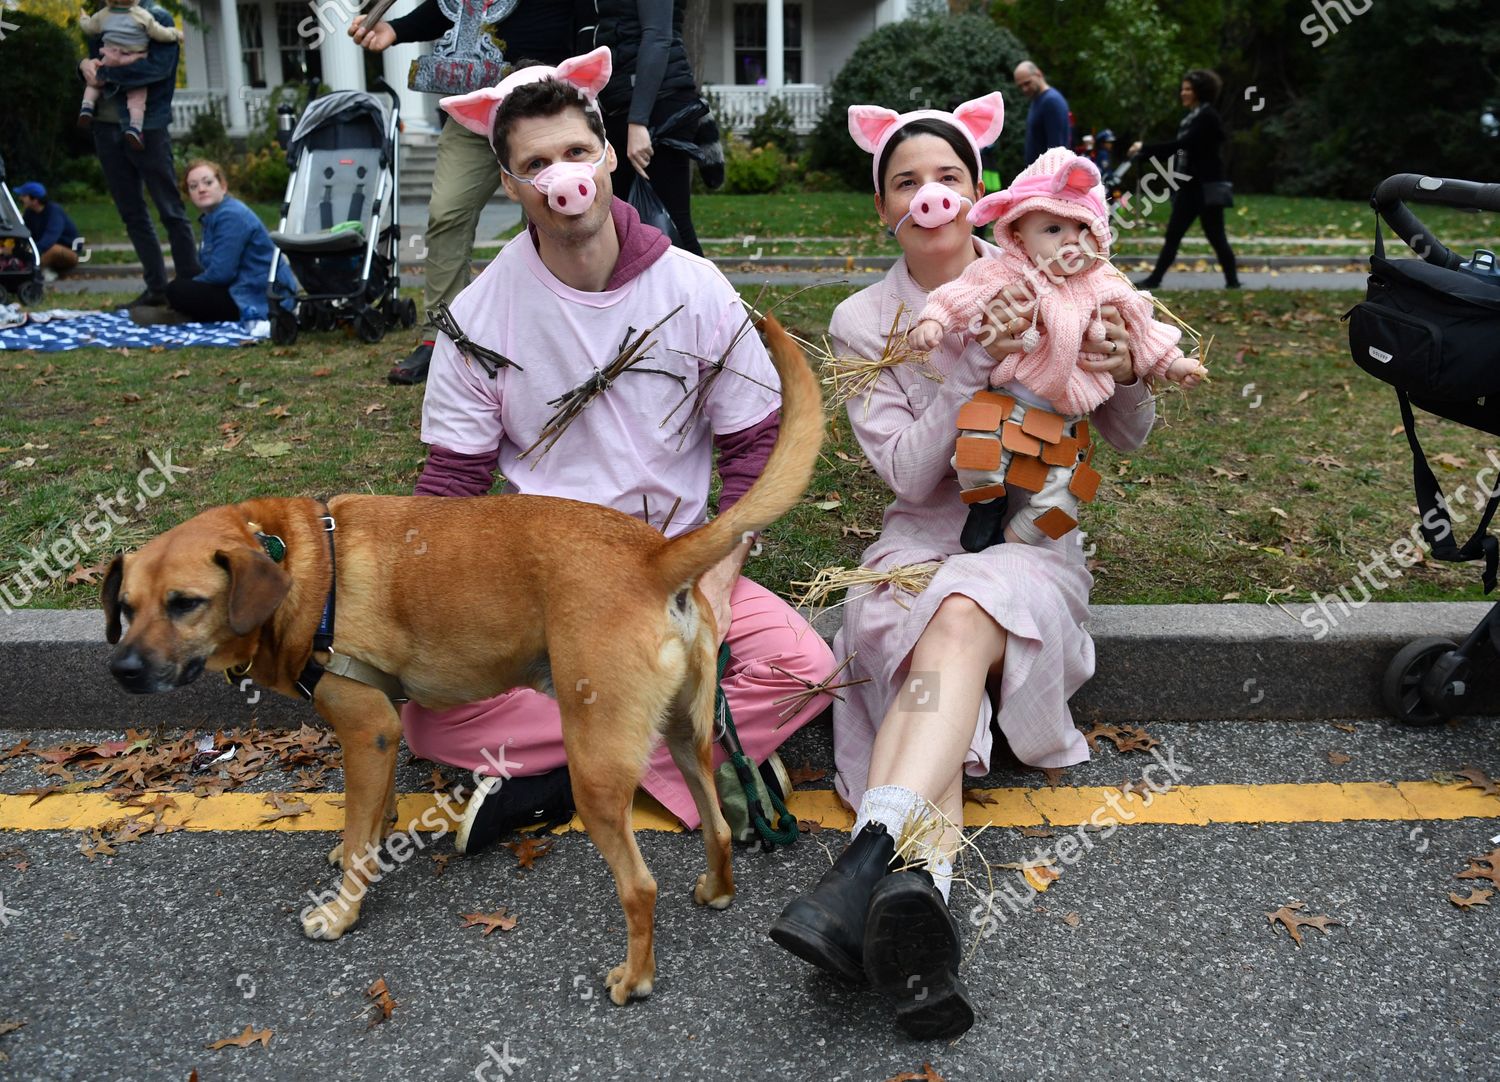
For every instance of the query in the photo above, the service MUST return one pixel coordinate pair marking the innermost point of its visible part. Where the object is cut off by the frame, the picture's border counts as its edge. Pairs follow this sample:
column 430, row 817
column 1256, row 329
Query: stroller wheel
column 369, row 325
column 408, row 310
column 283, row 327
column 30, row 292
column 1424, row 682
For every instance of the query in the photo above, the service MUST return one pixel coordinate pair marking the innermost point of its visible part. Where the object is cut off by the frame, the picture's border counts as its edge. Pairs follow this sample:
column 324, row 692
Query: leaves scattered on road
column 529, row 850
column 1476, row 896
column 1477, row 779
column 489, row 921
column 380, row 995
column 244, row 1040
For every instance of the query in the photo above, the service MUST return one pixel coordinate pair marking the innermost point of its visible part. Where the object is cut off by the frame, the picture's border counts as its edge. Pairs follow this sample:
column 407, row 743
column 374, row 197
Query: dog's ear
column 110, row 595
column 256, row 586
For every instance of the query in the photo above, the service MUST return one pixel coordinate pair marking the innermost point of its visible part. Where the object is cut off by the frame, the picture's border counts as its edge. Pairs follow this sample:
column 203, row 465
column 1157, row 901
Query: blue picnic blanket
column 64, row 329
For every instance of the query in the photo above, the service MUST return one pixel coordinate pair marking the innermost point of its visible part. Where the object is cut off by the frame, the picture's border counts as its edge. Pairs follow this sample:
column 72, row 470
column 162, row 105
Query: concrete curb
column 836, row 264
column 1154, row 663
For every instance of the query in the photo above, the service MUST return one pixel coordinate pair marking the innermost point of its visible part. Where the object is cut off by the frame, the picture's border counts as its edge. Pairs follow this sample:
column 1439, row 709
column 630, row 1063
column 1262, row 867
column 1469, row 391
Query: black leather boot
column 912, row 951
column 982, row 528
column 827, row 926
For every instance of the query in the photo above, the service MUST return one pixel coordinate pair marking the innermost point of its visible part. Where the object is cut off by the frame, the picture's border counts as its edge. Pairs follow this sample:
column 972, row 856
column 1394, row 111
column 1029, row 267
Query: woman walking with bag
column 997, row 634
column 652, row 94
column 1205, row 193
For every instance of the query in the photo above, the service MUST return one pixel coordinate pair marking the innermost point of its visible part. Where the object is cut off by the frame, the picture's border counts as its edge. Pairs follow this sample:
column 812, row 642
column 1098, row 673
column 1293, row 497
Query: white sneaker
column 49, row 275
column 486, row 785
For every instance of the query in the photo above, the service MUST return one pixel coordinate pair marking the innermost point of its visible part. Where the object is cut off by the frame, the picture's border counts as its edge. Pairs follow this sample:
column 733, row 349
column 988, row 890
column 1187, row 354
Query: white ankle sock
column 893, row 805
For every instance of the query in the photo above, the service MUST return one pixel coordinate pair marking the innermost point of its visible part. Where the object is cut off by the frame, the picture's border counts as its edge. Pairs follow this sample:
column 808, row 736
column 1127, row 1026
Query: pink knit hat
column 1059, row 181
column 476, row 111
column 979, row 121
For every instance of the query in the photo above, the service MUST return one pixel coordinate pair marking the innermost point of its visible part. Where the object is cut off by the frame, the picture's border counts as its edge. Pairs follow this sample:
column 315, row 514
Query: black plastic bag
column 652, row 210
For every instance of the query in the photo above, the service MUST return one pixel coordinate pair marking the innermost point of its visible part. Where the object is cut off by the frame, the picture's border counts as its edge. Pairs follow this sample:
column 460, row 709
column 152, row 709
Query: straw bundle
column 909, row 578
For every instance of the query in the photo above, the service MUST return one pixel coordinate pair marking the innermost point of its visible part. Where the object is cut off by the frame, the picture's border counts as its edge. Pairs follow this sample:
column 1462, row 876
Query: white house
column 754, row 50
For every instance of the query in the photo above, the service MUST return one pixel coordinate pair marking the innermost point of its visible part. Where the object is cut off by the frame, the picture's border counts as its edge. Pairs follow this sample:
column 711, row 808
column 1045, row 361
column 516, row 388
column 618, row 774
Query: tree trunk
column 694, row 32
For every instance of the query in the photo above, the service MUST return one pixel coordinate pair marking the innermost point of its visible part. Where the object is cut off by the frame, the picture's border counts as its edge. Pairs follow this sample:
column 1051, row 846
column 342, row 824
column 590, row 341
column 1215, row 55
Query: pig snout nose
column 934, row 205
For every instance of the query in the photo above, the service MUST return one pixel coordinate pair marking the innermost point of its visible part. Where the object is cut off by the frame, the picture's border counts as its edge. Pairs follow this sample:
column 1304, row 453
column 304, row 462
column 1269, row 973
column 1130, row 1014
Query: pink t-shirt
column 623, row 445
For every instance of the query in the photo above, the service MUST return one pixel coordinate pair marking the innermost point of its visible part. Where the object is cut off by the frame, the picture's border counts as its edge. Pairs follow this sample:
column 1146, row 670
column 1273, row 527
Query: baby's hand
column 925, row 336
column 1186, row 372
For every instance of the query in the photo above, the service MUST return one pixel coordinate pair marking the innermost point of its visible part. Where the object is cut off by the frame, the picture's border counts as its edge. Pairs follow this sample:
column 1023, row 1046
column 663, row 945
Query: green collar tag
column 275, row 547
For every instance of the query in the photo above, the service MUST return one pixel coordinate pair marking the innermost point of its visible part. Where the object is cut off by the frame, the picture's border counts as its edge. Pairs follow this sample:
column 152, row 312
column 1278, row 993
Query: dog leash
column 785, row 833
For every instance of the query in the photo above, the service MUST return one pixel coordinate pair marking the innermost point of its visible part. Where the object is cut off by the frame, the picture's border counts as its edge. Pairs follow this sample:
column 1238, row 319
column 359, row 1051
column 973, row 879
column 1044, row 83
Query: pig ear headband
column 980, row 121
column 476, row 111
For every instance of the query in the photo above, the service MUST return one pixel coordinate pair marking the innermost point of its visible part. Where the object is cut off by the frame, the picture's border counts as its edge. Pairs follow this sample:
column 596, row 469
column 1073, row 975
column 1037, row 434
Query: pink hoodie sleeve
column 959, row 304
column 1153, row 344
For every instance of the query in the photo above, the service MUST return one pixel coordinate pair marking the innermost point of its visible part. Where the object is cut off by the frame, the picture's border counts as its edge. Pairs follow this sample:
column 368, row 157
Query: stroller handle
column 1391, row 193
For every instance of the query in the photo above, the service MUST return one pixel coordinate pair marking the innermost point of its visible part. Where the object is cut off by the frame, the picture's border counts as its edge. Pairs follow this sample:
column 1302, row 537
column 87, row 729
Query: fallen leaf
column 1477, row 779
column 1451, row 461
column 1072, row 920
column 1292, row 919
column 529, row 850
column 270, row 449
column 440, row 862
column 10, row 1027
column 285, row 809
column 129, row 397
column 1477, row 869
column 1304, row 396
column 1040, row 877
column 87, row 576
column 1054, row 774
column 319, row 373
column 489, row 921
column 382, row 999
column 1233, row 475
column 980, row 796
column 278, row 411
column 805, row 772
column 180, row 373
column 244, row 1040
column 926, row 1074
column 1036, row 832
column 1346, row 726
column 1477, row 896
column 809, row 826
column 1278, row 511
column 374, row 407
column 1337, row 758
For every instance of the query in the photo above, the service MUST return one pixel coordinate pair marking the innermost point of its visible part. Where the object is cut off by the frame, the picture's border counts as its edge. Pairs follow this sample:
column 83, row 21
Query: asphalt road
column 1150, row 958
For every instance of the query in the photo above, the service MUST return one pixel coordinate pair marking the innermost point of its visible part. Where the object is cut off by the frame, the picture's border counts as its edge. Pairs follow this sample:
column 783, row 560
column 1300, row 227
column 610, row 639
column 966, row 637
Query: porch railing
column 188, row 104
column 740, row 106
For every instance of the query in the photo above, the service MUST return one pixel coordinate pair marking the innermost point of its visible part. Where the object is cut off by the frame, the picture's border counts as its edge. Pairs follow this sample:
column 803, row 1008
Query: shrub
column 259, row 175
column 753, row 170
column 41, row 94
column 936, row 61
column 775, row 127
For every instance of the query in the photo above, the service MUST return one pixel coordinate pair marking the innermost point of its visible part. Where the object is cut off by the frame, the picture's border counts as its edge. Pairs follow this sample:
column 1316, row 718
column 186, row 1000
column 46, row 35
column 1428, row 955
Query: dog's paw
column 622, row 991
column 336, row 855
column 329, row 921
column 714, row 898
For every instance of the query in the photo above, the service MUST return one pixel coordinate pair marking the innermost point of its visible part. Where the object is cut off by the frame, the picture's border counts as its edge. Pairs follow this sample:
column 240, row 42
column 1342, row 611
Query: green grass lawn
column 1275, row 479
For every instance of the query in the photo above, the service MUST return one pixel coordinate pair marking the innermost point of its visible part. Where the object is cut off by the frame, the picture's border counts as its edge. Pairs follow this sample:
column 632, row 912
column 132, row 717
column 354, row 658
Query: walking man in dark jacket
column 1047, row 123
column 466, row 175
column 127, row 169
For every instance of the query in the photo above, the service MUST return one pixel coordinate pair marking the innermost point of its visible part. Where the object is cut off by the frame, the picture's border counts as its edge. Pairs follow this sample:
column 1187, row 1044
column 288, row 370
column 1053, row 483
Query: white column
column 775, row 47
column 234, row 68
column 416, row 108
column 343, row 61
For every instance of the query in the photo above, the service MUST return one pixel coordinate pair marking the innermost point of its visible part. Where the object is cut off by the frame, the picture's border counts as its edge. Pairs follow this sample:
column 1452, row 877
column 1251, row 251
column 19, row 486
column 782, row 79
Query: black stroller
column 20, row 262
column 340, row 223
column 1430, row 327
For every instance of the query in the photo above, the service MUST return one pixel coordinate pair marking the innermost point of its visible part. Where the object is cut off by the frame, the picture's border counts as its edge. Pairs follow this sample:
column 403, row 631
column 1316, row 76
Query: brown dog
column 511, row 591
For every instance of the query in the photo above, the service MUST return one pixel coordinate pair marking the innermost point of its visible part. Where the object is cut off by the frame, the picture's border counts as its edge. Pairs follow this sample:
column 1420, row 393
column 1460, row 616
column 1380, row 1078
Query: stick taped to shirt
column 491, row 361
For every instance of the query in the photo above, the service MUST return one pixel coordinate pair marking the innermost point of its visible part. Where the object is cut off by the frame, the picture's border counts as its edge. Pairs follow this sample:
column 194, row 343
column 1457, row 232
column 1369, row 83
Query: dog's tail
column 776, row 491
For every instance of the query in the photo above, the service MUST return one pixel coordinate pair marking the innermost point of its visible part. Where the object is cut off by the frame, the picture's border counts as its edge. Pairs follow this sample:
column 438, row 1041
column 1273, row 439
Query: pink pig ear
column 1079, row 176
column 984, row 117
column 590, row 72
column 475, row 111
column 868, row 124
column 990, row 207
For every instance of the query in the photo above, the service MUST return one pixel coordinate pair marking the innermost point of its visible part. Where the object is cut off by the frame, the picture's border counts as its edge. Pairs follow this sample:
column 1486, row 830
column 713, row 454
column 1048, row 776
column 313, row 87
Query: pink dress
column 1038, row 593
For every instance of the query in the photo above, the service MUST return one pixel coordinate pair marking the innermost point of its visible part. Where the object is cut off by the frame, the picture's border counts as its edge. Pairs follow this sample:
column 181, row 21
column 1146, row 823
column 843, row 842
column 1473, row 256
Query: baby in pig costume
column 1053, row 229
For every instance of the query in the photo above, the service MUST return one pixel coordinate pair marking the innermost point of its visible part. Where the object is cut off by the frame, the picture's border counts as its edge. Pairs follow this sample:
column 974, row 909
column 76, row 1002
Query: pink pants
column 523, row 731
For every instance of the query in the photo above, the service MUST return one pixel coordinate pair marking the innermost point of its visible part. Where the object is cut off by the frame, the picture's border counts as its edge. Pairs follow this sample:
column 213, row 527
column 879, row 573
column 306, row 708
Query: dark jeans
column 1187, row 206
column 202, row 302
column 670, row 172
column 125, row 170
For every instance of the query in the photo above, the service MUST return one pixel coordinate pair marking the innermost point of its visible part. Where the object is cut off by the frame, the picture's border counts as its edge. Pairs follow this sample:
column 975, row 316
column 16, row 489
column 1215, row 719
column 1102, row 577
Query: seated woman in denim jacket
column 236, row 256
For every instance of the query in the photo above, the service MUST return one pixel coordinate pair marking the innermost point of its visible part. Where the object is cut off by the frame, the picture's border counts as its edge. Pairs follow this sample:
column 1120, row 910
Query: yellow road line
column 1187, row 805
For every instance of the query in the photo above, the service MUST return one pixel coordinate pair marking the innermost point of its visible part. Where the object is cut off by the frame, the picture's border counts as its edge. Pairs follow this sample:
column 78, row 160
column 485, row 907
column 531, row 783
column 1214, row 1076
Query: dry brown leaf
column 88, row 575
column 489, row 921
column 1477, row 779
column 1304, row 396
column 980, row 796
column 1292, row 919
column 285, row 809
column 1072, row 920
column 319, row 373
column 374, row 407
column 1346, row 726
column 244, row 1040
column 440, row 862
column 529, row 850
column 926, row 1074
column 382, row 1000
column 1450, row 460
column 809, row 826
column 805, row 772
column 1477, row 868
column 1337, row 758
column 1040, row 876
column 1054, row 774
column 1036, row 832
column 278, row 411
column 180, row 373
column 1477, row 896
column 9, row 1027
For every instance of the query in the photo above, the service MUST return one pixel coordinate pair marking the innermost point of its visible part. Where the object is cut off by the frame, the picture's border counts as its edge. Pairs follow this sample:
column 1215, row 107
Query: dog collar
column 275, row 547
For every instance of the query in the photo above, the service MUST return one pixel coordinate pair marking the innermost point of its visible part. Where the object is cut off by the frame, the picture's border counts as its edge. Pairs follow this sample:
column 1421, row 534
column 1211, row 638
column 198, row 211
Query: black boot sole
column 814, row 948
column 912, row 953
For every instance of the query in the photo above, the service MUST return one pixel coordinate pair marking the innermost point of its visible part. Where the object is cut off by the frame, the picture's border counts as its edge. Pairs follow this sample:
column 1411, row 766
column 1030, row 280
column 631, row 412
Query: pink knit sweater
column 1051, row 370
